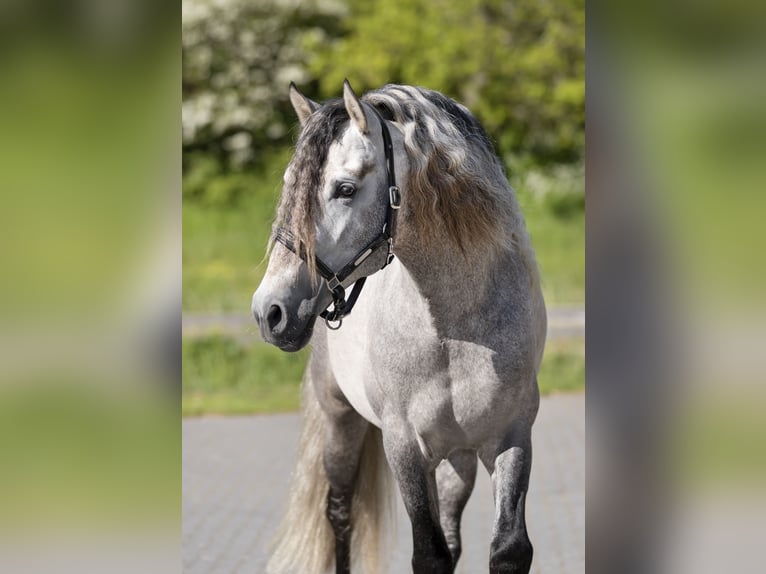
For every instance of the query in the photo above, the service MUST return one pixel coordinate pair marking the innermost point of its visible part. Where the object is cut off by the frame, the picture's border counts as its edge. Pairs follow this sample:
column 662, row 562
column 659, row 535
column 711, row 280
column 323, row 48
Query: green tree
column 519, row 66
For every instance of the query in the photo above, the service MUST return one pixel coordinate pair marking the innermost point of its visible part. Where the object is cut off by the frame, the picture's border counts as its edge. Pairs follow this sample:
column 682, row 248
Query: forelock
column 299, row 204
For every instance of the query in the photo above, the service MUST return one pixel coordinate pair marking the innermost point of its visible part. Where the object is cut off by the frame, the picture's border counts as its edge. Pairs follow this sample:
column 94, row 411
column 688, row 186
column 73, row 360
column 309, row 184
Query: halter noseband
column 385, row 240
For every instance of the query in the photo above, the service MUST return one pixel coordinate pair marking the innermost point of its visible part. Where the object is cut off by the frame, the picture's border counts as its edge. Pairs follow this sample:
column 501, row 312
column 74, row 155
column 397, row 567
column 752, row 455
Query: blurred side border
column 90, row 296
column 674, row 286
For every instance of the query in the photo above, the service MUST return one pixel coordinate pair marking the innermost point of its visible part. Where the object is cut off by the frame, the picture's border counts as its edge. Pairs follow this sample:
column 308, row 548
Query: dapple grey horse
column 400, row 192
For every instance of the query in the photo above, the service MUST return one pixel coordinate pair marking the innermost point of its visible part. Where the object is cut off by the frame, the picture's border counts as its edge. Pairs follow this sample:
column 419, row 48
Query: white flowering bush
column 560, row 188
column 239, row 57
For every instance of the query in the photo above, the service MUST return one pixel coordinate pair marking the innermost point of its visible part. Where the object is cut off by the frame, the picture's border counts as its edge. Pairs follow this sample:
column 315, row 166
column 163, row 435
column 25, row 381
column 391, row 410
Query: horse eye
column 345, row 190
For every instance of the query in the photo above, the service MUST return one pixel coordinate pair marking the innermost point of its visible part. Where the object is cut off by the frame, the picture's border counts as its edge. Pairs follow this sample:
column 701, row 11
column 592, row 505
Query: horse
column 400, row 194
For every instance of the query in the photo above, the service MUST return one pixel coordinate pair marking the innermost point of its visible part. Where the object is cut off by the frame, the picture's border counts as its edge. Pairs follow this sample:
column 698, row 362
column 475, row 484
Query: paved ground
column 562, row 322
column 236, row 473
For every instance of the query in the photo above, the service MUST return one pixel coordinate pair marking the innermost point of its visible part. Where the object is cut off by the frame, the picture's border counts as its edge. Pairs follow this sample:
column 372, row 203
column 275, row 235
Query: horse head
column 334, row 221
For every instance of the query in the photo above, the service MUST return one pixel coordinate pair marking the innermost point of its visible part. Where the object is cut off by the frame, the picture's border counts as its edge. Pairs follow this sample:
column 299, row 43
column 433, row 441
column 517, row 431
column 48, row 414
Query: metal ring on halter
column 328, row 322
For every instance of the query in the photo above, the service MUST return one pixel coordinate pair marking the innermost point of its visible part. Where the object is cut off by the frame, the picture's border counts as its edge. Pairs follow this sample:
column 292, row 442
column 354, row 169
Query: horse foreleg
column 417, row 483
column 343, row 447
column 509, row 461
column 455, row 479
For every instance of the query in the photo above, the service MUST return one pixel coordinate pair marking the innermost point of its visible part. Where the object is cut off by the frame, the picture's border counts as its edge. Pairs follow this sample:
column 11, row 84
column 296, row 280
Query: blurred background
column 518, row 66
column 676, row 330
column 90, row 293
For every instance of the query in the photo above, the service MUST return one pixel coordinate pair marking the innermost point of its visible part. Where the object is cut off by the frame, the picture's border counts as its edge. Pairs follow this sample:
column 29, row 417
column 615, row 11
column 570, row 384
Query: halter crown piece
column 385, row 240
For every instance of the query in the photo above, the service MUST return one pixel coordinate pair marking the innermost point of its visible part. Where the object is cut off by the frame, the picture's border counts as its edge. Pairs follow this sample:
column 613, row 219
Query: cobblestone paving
column 236, row 472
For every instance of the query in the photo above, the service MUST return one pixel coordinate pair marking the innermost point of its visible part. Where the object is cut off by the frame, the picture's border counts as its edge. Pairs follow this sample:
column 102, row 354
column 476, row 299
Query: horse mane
column 457, row 188
column 456, row 191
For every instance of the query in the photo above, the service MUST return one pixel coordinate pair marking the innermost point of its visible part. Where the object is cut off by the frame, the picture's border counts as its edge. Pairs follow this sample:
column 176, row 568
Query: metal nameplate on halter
column 394, row 197
column 362, row 257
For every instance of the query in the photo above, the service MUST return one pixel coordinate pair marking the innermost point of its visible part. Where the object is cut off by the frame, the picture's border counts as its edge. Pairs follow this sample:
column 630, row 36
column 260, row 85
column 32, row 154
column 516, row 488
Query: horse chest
column 443, row 390
column 378, row 370
column 381, row 380
column 352, row 372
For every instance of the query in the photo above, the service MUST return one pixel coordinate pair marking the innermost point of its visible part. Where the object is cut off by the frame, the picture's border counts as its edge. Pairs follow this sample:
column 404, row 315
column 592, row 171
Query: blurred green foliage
column 79, row 453
column 84, row 187
column 719, row 439
column 89, row 432
column 519, row 66
column 707, row 177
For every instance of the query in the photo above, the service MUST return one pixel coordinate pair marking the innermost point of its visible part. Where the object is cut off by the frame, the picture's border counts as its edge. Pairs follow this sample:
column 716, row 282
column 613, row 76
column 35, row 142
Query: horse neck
column 454, row 284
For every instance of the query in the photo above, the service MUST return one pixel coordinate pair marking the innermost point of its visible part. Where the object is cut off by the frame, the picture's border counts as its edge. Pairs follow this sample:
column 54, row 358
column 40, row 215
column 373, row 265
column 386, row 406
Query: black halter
column 384, row 240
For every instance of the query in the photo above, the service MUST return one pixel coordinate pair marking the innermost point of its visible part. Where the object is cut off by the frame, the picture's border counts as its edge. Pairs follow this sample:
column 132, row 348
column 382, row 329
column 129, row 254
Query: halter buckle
column 333, row 283
column 394, row 197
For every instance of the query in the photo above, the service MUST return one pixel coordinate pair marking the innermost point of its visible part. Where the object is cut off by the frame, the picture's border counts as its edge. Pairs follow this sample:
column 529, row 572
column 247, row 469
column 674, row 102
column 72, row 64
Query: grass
column 225, row 241
column 559, row 244
column 223, row 252
column 563, row 368
column 222, row 376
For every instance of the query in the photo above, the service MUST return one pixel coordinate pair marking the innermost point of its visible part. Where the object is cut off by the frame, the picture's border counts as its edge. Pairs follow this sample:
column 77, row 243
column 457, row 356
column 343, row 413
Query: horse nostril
column 273, row 317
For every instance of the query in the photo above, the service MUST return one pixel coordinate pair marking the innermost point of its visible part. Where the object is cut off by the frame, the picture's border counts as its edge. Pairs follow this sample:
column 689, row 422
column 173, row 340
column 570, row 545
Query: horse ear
column 354, row 107
column 302, row 105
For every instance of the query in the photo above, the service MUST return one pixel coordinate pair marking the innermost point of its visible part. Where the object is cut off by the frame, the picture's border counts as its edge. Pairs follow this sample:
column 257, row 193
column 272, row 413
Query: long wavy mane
column 457, row 188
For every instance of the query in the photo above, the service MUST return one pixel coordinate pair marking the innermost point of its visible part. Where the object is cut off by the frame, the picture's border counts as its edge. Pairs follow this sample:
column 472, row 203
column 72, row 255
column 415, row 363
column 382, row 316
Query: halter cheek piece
column 385, row 240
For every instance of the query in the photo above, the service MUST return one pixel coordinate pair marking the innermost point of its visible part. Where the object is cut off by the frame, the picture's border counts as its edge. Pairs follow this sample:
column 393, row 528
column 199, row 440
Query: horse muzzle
column 284, row 323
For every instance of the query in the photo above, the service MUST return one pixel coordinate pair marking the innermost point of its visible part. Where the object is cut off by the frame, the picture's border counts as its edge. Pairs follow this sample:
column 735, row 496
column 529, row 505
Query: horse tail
column 305, row 542
column 372, row 507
